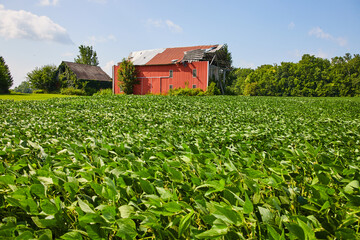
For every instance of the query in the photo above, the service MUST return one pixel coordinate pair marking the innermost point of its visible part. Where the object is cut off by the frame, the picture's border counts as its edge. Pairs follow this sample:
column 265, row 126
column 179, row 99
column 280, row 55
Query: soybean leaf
column 72, row 236
column 215, row 231
column 248, row 206
column 185, row 223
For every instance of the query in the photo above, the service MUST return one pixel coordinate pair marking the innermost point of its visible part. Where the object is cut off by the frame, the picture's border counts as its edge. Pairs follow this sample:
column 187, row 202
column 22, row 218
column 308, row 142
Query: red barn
column 159, row 70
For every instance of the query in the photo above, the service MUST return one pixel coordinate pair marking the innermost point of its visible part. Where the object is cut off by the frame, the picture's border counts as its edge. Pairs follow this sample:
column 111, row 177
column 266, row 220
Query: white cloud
column 155, row 23
column 26, row 25
column 319, row 33
column 291, row 26
column 173, row 27
column 168, row 24
column 108, row 67
column 48, row 2
column 100, row 39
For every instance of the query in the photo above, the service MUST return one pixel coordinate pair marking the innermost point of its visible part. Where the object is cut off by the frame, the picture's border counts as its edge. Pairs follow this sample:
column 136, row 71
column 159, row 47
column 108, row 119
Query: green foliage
column 94, row 86
column 224, row 58
column 212, row 90
column 67, row 78
column 157, row 167
column 251, row 89
column 238, row 86
column 24, row 87
column 127, row 76
column 39, row 91
column 44, row 78
column 103, row 92
column 310, row 77
column 87, row 56
column 6, row 80
column 73, row 91
column 186, row 92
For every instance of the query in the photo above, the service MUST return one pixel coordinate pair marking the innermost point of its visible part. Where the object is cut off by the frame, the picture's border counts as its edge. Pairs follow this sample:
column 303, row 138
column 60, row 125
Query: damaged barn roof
column 164, row 56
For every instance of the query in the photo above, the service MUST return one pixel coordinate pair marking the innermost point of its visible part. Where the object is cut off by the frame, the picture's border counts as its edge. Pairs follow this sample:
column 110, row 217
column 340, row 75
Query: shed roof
column 88, row 72
column 166, row 56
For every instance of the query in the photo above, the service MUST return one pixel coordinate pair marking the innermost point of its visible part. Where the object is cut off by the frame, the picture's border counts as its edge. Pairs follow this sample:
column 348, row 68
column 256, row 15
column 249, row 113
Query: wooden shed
column 75, row 75
column 159, row 70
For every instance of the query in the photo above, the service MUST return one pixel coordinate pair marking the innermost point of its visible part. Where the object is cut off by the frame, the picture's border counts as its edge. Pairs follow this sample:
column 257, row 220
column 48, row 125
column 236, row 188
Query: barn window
column 171, row 73
column 194, row 73
column 170, row 86
column 194, row 85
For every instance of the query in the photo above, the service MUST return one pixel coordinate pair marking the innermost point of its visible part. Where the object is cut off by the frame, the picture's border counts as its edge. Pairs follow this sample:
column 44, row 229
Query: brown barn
column 76, row 75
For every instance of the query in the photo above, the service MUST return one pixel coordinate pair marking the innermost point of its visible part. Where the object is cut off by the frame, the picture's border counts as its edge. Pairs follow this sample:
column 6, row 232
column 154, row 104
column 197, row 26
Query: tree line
column 310, row 77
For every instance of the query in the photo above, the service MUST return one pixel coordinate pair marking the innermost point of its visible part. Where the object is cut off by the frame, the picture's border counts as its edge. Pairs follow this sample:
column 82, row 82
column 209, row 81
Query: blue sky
column 34, row 33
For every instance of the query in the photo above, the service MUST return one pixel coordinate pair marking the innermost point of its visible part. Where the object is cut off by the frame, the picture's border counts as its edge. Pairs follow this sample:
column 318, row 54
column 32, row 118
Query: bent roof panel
column 143, row 57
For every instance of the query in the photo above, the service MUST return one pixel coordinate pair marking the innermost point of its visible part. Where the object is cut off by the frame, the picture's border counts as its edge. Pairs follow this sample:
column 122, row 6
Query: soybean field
column 160, row 167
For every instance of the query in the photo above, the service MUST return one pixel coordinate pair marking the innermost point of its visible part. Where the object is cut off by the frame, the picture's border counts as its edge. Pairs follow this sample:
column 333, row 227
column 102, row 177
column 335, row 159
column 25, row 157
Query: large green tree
column 6, row 80
column 44, row 78
column 87, row 56
column 127, row 76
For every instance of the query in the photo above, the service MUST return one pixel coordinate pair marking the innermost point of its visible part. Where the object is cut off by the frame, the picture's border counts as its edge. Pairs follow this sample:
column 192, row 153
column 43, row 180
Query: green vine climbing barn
column 78, row 75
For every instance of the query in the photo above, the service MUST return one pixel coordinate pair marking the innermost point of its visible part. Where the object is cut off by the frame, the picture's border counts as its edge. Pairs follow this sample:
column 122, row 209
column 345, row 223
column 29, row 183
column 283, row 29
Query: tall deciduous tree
column 127, row 76
column 6, row 80
column 87, row 56
column 44, row 78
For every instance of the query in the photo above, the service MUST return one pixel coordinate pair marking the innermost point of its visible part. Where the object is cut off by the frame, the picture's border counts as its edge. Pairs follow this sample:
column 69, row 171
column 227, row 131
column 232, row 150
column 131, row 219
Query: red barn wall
column 155, row 78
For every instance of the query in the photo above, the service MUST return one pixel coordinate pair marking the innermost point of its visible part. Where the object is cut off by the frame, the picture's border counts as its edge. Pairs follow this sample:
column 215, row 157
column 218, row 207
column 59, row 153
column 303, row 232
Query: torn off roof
column 164, row 56
column 142, row 57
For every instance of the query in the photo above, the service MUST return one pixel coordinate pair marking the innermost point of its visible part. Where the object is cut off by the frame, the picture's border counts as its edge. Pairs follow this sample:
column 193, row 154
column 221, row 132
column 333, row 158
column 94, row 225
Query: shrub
column 72, row 91
column 185, row 91
column 90, row 91
column 39, row 91
column 250, row 89
column 212, row 90
column 107, row 91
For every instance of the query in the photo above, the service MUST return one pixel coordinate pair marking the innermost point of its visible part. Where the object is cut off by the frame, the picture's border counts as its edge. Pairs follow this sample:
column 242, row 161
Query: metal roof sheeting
column 164, row 56
column 142, row 57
